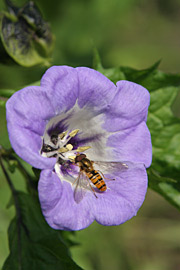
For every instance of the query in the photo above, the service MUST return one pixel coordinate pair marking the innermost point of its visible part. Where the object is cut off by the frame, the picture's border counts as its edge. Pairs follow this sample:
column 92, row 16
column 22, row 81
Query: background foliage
column 126, row 33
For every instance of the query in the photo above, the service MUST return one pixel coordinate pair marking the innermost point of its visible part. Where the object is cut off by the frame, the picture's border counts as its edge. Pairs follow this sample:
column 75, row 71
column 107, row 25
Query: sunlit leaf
column 167, row 187
column 26, row 36
column 7, row 93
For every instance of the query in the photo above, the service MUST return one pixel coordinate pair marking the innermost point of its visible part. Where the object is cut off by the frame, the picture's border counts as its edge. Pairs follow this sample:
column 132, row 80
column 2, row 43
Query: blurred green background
column 133, row 33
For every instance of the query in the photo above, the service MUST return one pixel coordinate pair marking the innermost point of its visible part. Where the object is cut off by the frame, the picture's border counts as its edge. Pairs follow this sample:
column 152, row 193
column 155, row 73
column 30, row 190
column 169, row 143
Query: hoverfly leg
column 94, row 192
column 106, row 177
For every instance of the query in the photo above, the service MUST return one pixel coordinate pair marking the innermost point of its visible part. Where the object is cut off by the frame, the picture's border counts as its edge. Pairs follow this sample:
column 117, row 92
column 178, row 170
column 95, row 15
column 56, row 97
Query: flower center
column 61, row 146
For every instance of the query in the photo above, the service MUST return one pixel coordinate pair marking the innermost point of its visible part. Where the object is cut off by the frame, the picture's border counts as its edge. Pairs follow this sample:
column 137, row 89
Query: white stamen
column 49, row 154
column 67, row 136
column 58, row 171
column 62, row 135
column 62, row 150
column 65, row 149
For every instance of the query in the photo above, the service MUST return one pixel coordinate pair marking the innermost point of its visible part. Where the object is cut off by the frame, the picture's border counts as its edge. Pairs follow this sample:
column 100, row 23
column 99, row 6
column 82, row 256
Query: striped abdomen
column 97, row 180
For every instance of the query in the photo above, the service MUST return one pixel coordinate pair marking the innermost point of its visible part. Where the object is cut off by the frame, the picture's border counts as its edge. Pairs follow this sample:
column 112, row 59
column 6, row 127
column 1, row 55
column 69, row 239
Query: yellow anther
column 72, row 158
column 83, row 148
column 69, row 147
column 73, row 132
column 62, row 135
column 63, row 150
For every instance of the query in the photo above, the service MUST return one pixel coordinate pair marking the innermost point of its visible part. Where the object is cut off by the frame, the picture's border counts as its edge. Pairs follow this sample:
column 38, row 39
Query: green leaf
column 4, row 95
column 142, row 77
column 167, row 187
column 7, row 93
column 163, row 125
column 26, row 36
column 36, row 172
column 2, row 102
column 33, row 244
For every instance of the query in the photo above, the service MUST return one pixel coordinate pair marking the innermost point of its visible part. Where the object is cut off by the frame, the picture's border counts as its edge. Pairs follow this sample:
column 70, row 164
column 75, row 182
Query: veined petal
column 67, row 85
column 133, row 144
column 124, row 196
column 27, row 145
column 58, row 205
column 28, row 112
column 50, row 190
column 95, row 90
column 119, row 203
column 30, row 108
column 61, row 83
column 128, row 108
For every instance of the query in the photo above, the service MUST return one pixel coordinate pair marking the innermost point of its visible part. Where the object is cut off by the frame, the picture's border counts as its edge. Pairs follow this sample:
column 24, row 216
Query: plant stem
column 18, row 210
column 9, row 155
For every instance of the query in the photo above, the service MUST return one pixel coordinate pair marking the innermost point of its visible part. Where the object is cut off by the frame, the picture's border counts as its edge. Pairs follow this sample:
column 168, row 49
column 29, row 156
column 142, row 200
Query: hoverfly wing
column 109, row 167
column 79, row 192
column 82, row 185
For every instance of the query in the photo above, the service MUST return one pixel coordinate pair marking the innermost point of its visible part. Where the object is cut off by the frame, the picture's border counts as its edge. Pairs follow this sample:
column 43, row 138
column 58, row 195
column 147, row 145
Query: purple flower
column 77, row 110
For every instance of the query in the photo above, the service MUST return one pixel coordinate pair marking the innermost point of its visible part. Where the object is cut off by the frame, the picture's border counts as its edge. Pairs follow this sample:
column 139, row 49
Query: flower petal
column 28, row 111
column 133, row 144
column 66, row 85
column 124, row 196
column 119, row 203
column 50, row 190
column 128, row 108
column 58, row 205
column 95, row 90
column 61, row 83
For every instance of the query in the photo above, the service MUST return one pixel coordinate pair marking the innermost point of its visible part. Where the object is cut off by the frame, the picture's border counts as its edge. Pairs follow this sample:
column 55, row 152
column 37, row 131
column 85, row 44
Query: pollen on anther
column 62, row 135
column 69, row 147
column 82, row 148
column 73, row 132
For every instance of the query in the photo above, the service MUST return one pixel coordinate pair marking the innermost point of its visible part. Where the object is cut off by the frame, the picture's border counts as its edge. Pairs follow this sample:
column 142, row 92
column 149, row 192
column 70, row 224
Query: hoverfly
column 88, row 175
